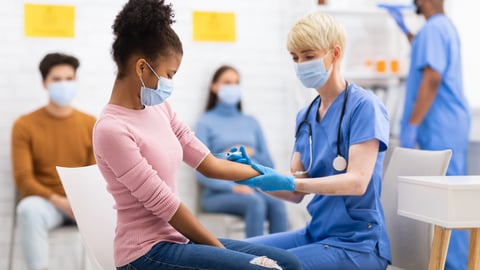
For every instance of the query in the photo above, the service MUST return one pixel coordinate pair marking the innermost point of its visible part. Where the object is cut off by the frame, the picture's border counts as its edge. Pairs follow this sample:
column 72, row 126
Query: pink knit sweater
column 139, row 153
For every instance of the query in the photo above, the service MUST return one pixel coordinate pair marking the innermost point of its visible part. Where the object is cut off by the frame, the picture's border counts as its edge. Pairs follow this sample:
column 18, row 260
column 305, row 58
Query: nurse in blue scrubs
column 341, row 138
column 436, row 114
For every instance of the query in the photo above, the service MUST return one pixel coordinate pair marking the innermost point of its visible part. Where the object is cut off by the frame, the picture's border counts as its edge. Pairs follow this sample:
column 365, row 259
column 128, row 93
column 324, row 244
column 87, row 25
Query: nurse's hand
column 395, row 12
column 270, row 180
column 408, row 135
column 240, row 156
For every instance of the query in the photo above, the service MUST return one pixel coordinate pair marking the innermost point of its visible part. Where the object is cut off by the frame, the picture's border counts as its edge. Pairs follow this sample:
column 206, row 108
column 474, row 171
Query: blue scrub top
column 447, row 123
column 351, row 222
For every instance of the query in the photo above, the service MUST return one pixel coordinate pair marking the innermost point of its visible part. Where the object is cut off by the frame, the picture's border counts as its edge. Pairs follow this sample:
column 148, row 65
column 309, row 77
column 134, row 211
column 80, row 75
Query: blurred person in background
column 436, row 113
column 222, row 127
column 56, row 134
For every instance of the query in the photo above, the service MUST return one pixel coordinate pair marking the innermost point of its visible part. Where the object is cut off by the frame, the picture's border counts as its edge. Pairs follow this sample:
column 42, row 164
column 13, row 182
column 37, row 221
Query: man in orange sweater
column 54, row 135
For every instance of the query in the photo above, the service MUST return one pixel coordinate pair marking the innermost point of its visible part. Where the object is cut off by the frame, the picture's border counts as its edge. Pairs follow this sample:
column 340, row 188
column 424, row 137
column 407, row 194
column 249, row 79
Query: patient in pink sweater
column 139, row 144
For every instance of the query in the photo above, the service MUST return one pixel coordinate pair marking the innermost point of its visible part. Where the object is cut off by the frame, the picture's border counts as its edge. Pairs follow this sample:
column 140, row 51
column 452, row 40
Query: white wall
column 467, row 20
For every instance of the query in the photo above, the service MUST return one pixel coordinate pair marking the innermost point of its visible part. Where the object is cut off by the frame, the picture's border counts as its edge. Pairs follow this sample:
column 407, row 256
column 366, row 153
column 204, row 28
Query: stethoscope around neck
column 339, row 162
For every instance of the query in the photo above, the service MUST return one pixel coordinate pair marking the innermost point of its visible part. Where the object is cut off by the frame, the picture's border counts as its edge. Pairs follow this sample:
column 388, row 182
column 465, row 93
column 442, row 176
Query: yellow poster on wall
column 214, row 26
column 49, row 20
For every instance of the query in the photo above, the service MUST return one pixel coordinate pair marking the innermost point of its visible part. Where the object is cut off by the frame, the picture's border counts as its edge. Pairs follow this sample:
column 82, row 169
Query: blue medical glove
column 395, row 12
column 408, row 135
column 239, row 155
column 265, row 183
column 270, row 180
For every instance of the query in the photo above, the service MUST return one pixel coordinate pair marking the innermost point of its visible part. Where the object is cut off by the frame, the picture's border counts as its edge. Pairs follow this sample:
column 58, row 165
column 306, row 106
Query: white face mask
column 150, row 97
column 313, row 73
column 229, row 94
column 62, row 92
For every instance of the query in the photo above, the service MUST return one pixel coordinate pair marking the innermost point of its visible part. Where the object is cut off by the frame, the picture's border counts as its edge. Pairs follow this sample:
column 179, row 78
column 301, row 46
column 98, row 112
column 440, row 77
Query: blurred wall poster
column 42, row 20
column 214, row 26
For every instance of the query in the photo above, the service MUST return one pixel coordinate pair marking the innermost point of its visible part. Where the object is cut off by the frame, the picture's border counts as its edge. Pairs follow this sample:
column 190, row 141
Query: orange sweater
column 41, row 141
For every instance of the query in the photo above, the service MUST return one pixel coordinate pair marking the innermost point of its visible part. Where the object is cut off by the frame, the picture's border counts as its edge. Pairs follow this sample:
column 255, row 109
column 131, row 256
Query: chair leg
column 11, row 248
column 83, row 258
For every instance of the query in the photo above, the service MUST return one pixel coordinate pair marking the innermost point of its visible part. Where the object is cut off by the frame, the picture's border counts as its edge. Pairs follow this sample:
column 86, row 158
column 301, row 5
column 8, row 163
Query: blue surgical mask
column 62, row 92
column 313, row 73
column 229, row 94
column 151, row 97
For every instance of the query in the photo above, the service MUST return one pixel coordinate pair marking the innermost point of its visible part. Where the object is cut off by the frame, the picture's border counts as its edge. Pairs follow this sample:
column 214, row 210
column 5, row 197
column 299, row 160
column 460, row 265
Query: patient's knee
column 30, row 208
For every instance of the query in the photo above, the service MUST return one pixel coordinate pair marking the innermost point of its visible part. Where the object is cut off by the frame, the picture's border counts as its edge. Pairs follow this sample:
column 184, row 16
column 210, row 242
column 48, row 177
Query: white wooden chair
column 93, row 208
column 410, row 240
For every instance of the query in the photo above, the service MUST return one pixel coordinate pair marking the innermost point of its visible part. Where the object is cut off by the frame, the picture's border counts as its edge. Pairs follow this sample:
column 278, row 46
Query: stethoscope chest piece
column 339, row 163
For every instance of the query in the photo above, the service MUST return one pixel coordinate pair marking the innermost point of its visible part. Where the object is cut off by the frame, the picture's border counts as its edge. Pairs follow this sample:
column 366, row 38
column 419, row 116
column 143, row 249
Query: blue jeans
column 236, row 256
column 35, row 217
column 254, row 208
column 316, row 256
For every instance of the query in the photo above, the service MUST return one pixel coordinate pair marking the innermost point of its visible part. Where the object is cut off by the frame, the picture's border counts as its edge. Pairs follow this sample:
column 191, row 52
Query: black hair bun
column 142, row 27
column 143, row 17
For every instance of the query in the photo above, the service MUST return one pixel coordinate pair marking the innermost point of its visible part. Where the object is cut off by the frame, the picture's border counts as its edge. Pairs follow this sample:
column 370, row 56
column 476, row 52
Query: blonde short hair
column 316, row 30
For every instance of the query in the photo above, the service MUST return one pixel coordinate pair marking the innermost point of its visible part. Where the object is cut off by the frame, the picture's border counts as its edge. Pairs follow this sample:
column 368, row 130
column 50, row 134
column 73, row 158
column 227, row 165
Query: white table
column 448, row 202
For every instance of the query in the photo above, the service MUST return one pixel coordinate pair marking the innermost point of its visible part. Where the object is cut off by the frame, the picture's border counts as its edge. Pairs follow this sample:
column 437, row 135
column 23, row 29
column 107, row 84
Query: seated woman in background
column 222, row 127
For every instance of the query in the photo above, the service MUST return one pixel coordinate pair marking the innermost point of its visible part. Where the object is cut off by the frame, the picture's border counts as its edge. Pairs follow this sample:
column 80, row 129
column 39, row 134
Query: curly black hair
column 54, row 59
column 143, row 26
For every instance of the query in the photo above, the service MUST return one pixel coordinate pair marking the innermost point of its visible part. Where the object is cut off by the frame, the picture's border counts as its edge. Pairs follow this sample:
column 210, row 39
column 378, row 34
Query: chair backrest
column 92, row 206
column 409, row 239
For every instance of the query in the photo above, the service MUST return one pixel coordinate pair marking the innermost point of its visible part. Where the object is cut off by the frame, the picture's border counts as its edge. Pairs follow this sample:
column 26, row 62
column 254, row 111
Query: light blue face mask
column 229, row 94
column 63, row 92
column 313, row 73
column 151, row 97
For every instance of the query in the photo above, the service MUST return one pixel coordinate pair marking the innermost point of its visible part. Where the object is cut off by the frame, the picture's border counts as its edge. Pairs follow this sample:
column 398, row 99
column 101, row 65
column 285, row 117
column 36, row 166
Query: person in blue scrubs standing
column 341, row 138
column 222, row 127
column 436, row 114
